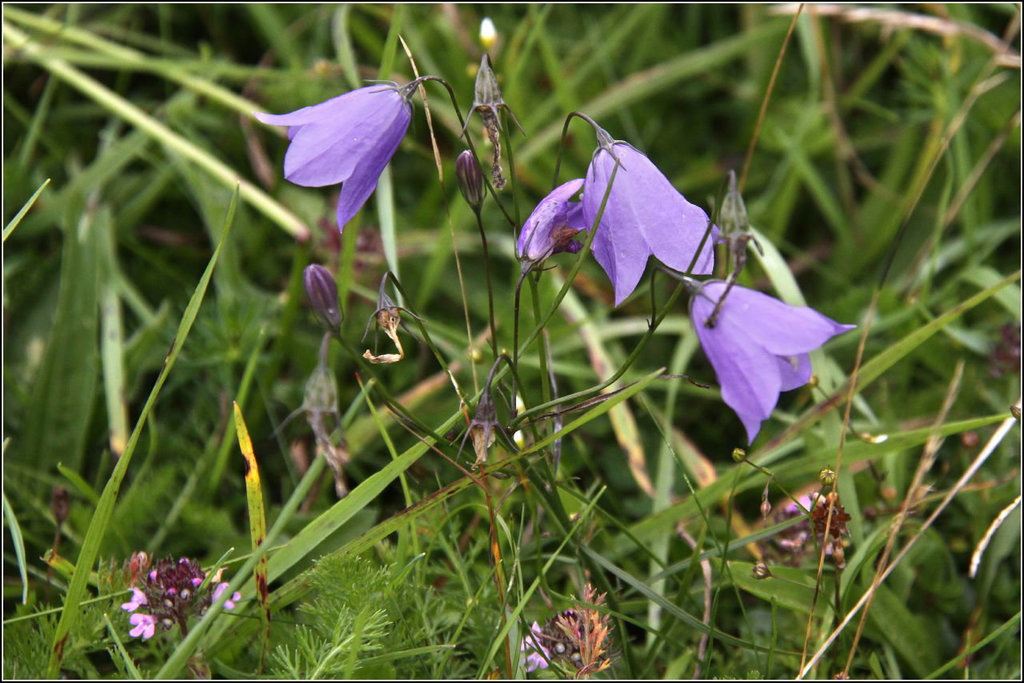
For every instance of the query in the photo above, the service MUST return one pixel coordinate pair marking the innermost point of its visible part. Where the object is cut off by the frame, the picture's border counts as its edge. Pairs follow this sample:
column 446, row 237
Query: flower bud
column 60, row 504
column 761, row 571
column 323, row 295
column 827, row 476
column 488, row 33
column 733, row 215
column 470, row 179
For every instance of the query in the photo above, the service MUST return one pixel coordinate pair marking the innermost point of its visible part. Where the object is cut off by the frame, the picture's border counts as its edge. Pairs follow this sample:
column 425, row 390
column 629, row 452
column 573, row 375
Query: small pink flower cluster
column 172, row 591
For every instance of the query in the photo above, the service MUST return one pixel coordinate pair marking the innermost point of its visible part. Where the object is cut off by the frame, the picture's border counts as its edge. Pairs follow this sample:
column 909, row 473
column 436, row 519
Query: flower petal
column 327, row 151
column 748, row 374
column 551, row 213
column 145, row 626
column 358, row 187
column 782, row 329
column 644, row 215
column 138, row 599
column 794, row 371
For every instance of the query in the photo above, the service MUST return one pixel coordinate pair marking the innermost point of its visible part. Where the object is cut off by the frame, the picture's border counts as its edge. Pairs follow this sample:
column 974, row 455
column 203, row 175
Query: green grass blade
column 9, row 228
column 61, row 398
column 19, row 546
column 116, row 104
column 126, row 660
column 105, row 509
column 257, row 525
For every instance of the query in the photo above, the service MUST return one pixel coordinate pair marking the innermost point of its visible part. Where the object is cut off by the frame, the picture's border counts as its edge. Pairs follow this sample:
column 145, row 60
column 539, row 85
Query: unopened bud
column 488, row 34
column 482, row 426
column 827, row 476
column 60, row 504
column 321, row 393
column 766, row 508
column 761, row 571
column 323, row 296
column 733, row 216
column 739, row 455
column 838, row 555
column 470, row 179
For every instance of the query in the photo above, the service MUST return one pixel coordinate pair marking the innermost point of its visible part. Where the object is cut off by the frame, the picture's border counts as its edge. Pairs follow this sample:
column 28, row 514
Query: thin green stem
column 490, row 288
column 469, row 143
column 542, row 351
column 634, row 354
column 427, row 339
column 515, row 334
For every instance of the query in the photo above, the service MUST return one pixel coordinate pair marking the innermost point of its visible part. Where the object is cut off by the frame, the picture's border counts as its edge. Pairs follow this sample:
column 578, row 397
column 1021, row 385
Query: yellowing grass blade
column 257, row 523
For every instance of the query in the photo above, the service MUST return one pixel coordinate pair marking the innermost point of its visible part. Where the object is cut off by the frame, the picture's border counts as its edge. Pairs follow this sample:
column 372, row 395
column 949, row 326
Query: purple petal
column 644, row 215
column 795, row 371
column 342, row 106
column 782, row 329
column 327, row 151
column 748, row 374
column 574, row 215
column 358, row 187
column 534, row 659
column 553, row 212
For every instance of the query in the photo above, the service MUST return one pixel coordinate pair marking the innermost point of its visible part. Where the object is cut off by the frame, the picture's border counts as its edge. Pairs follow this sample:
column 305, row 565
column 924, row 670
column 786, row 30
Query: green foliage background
column 882, row 142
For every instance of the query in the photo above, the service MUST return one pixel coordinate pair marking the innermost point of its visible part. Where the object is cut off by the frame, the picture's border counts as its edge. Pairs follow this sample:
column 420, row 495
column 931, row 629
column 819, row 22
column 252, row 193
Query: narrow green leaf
column 19, row 546
column 112, row 341
column 912, row 636
column 126, row 660
column 61, row 399
column 788, row 587
column 257, row 525
column 80, row 484
column 9, row 228
column 116, row 104
column 105, row 508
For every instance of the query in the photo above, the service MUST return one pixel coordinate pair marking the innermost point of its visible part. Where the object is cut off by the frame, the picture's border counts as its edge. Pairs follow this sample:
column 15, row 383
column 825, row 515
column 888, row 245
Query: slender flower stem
column 469, row 143
column 637, row 350
column 515, row 334
column 490, row 288
column 542, row 351
column 429, row 342
column 512, row 174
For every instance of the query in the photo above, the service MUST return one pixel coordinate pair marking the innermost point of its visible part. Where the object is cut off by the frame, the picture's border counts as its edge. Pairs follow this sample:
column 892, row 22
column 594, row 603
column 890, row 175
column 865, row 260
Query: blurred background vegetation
column 891, row 138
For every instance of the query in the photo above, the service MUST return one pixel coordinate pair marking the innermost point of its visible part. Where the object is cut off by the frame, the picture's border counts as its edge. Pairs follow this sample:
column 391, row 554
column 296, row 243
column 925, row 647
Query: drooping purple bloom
column 645, row 215
column 552, row 225
column 758, row 347
column 348, row 139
